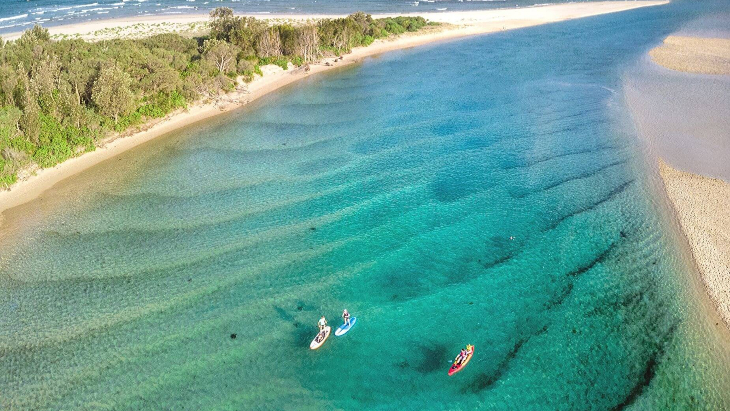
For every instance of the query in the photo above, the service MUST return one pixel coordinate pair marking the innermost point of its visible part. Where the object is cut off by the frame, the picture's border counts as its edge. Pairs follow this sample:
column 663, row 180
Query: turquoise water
column 488, row 191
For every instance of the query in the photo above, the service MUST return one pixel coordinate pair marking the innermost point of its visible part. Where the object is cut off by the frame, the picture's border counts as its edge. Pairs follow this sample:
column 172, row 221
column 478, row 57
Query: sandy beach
column 694, row 55
column 682, row 115
column 702, row 206
column 478, row 21
column 461, row 24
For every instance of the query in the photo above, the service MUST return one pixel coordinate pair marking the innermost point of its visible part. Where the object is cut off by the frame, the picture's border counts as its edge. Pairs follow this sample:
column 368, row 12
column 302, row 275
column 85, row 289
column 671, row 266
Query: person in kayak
column 464, row 353
column 322, row 323
column 346, row 316
column 462, row 356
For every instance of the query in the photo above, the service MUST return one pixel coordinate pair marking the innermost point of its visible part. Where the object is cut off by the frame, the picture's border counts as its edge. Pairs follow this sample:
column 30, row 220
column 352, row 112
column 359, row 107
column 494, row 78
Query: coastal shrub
column 54, row 146
column 162, row 104
column 288, row 37
column 393, row 27
column 59, row 142
column 111, row 92
column 21, row 149
column 410, row 23
column 247, row 67
column 124, row 122
column 171, row 42
column 59, row 96
column 220, row 54
column 297, row 60
column 282, row 62
column 8, row 176
column 9, row 119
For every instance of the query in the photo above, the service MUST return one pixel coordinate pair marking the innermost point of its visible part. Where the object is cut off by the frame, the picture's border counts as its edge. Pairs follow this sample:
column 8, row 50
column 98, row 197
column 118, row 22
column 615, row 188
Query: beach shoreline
column 701, row 206
column 678, row 111
column 540, row 13
column 461, row 24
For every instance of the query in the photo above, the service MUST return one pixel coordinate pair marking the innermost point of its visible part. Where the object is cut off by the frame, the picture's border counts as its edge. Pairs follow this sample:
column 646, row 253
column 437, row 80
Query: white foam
column 21, row 16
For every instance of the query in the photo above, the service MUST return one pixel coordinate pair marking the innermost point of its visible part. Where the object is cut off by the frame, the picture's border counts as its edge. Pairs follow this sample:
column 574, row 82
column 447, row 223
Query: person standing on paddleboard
column 346, row 316
column 322, row 323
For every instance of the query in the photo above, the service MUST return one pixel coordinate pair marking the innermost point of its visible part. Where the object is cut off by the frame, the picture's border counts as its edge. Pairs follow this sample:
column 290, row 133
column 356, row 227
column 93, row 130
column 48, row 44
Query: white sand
column 464, row 24
column 480, row 20
column 684, row 119
column 694, row 55
column 702, row 206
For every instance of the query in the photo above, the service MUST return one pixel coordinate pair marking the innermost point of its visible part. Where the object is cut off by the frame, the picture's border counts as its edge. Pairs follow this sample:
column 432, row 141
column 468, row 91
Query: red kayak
column 458, row 366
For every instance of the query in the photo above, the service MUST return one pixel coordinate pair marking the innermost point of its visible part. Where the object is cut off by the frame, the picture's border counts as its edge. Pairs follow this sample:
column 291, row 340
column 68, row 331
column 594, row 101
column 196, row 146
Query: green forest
column 58, row 98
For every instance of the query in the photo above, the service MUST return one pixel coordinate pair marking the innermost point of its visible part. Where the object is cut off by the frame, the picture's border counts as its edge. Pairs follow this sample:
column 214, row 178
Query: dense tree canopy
column 111, row 93
column 58, row 98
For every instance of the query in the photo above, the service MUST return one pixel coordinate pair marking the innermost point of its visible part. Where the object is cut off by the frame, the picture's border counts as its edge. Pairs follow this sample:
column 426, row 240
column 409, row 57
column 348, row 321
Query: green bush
column 7, row 178
column 21, row 144
column 245, row 66
column 125, row 122
column 392, row 26
column 54, row 146
column 297, row 60
column 162, row 104
column 59, row 143
column 61, row 96
column 282, row 62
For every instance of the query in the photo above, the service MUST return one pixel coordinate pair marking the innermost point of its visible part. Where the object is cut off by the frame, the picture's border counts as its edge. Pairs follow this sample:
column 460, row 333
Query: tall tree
column 8, row 85
column 111, row 92
column 245, row 32
column 288, row 37
column 220, row 54
column 269, row 43
column 79, row 75
column 308, row 43
column 44, row 81
column 221, row 23
column 29, row 122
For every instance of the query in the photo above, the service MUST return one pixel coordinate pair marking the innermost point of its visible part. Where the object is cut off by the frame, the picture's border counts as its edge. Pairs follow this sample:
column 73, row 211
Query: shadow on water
column 302, row 335
column 485, row 380
column 432, row 359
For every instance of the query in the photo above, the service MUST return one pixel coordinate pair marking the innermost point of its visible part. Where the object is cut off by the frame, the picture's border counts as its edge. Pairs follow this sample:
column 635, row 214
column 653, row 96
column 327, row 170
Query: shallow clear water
column 488, row 191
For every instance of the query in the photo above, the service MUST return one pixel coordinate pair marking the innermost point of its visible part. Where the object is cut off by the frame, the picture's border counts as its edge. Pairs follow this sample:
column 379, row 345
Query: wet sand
column 682, row 114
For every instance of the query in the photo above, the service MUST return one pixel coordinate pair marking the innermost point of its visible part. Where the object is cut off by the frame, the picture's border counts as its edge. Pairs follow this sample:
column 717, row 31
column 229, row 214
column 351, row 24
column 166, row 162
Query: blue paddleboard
column 344, row 328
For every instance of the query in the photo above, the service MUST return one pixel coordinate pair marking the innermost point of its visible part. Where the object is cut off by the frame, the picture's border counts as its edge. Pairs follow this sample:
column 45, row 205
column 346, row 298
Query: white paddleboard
column 344, row 328
column 320, row 338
